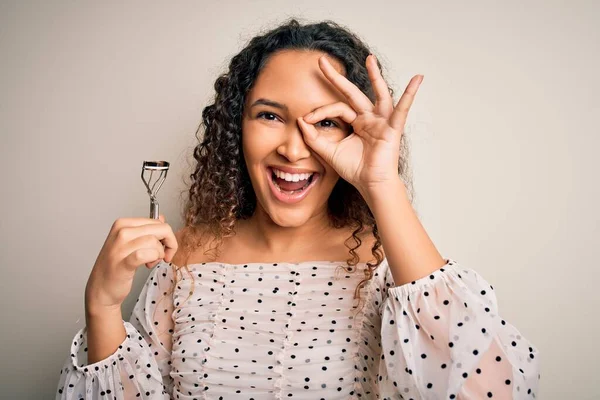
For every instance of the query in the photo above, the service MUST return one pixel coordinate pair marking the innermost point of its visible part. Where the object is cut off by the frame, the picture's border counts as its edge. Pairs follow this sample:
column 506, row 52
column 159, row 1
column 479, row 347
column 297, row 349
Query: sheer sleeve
column 442, row 338
column 140, row 367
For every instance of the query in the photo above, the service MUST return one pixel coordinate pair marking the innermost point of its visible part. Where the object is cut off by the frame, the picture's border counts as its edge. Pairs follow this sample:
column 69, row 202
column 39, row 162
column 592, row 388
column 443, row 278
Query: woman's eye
column 329, row 123
column 267, row 115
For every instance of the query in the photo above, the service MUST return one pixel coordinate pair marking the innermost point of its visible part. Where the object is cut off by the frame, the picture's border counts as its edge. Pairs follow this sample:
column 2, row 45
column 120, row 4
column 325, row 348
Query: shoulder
column 194, row 246
column 178, row 257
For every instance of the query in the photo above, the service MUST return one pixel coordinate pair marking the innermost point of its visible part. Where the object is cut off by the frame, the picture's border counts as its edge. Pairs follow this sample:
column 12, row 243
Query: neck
column 271, row 238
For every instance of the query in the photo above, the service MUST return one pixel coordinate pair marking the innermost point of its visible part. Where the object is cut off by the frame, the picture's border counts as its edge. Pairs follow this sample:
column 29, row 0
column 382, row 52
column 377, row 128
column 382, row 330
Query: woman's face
column 291, row 182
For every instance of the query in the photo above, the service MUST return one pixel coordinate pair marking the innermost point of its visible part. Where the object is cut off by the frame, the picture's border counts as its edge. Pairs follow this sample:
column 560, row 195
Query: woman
column 302, row 270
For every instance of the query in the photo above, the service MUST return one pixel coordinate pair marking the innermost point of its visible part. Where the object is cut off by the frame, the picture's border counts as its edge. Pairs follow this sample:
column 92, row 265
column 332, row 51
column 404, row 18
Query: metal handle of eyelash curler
column 154, row 210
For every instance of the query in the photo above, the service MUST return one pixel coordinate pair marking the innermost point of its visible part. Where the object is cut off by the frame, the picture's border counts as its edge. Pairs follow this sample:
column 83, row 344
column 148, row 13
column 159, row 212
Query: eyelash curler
column 162, row 167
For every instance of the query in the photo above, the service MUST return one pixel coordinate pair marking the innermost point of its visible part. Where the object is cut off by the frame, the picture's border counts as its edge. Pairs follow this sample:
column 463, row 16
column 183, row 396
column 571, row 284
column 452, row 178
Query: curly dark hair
column 221, row 193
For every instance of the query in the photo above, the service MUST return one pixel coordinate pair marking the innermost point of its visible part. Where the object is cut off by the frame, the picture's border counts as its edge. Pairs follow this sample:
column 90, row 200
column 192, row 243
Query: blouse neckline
column 317, row 262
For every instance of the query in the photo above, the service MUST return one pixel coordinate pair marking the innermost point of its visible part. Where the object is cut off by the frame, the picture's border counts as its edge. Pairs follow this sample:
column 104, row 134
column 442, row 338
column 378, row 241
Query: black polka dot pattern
column 462, row 347
column 285, row 330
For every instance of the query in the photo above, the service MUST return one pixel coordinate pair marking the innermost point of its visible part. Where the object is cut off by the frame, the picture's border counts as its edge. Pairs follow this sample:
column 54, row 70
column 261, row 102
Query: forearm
column 408, row 248
column 105, row 332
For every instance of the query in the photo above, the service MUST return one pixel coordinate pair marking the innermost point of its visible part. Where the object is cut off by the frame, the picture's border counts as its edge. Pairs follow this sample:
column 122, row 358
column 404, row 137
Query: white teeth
column 291, row 177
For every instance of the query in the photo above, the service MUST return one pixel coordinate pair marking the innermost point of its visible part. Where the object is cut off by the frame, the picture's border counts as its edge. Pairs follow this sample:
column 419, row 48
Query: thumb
column 319, row 143
column 161, row 217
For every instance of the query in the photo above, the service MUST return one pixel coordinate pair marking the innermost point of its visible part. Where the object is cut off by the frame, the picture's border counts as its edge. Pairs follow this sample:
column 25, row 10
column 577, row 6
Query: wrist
column 96, row 310
column 105, row 330
column 100, row 304
column 383, row 191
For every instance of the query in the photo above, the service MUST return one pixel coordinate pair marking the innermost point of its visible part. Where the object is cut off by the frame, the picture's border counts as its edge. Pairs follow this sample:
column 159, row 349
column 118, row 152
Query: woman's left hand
column 368, row 157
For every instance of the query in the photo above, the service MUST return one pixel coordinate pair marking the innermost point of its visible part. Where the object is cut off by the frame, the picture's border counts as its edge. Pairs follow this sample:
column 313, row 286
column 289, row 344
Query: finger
column 142, row 256
column 384, row 105
column 358, row 100
column 152, row 265
column 398, row 118
column 164, row 255
column 339, row 109
column 128, row 222
column 162, row 232
column 170, row 251
column 324, row 147
column 144, row 242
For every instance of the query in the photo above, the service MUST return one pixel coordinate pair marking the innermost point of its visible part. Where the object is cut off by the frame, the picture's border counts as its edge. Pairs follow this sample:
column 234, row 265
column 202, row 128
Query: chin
column 290, row 218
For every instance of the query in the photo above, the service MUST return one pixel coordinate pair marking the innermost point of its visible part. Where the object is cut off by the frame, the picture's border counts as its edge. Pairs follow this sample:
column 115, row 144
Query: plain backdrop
column 504, row 136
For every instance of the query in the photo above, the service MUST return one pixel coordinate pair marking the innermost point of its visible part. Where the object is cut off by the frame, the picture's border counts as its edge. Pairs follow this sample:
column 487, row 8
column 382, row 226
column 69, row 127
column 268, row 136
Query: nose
column 293, row 146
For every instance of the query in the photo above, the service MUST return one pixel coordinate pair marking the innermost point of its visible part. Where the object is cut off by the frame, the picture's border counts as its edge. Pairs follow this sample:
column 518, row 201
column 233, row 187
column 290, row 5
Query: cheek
column 258, row 143
column 253, row 151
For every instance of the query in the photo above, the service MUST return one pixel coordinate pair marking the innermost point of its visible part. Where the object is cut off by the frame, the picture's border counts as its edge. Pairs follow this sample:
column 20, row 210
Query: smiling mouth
column 290, row 188
column 294, row 186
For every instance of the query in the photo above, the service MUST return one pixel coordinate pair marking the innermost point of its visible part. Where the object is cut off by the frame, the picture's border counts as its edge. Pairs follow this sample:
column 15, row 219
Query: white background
column 504, row 151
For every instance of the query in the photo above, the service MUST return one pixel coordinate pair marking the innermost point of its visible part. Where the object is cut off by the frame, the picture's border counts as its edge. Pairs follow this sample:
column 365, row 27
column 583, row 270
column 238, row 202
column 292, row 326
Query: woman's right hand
column 131, row 242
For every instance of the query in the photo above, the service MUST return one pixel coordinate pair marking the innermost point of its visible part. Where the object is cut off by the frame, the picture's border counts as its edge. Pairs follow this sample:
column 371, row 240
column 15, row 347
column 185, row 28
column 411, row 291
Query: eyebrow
column 267, row 102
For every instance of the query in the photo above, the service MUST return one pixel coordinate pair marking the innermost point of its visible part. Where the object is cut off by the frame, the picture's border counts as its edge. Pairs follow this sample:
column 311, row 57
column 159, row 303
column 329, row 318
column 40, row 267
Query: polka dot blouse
column 294, row 331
